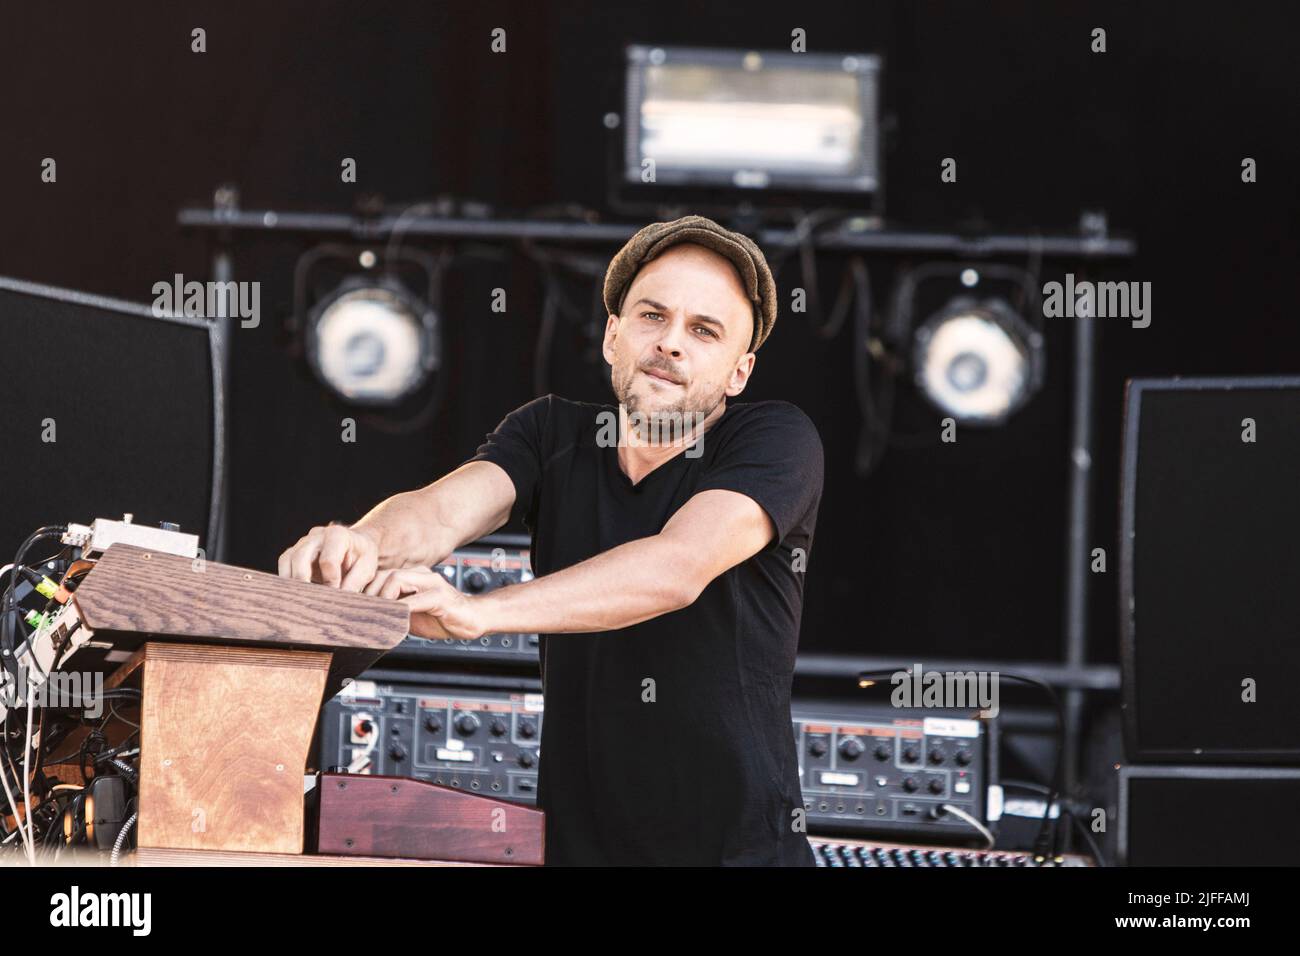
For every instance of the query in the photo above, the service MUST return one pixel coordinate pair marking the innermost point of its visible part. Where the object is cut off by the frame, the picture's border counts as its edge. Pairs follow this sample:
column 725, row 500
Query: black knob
column 527, row 728
column 526, row 758
column 936, row 785
column 364, row 727
column 910, row 784
column 432, row 724
column 397, row 752
column 851, row 748
column 936, row 755
column 466, row 724
column 884, row 751
column 817, row 747
column 475, row 580
column 964, row 757
column 911, row 754
column 498, row 727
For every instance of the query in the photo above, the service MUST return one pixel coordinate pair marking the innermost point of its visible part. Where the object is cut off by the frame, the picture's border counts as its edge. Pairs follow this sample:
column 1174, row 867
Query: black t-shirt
column 669, row 742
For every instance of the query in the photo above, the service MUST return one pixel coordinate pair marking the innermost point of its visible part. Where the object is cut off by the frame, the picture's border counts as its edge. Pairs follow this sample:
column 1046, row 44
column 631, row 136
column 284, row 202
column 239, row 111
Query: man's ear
column 740, row 374
column 611, row 333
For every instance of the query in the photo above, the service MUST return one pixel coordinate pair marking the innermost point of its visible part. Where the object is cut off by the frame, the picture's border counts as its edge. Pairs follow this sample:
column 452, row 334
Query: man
column 669, row 539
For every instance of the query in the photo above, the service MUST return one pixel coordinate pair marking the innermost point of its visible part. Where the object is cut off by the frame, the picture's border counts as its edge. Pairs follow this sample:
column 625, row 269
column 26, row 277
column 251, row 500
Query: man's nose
column 672, row 341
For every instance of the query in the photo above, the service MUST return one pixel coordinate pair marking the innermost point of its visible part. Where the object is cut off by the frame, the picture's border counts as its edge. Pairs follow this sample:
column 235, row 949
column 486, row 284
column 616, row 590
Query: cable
column 840, row 309
column 117, row 751
column 984, row 831
column 115, row 693
column 18, row 820
column 555, row 301
column 36, row 741
column 5, row 772
column 1025, row 785
column 31, row 640
column 1087, row 837
column 121, row 838
column 806, row 225
column 545, row 337
column 875, row 402
column 126, row 770
column 116, row 716
column 40, row 746
column 55, row 794
column 9, row 604
column 1068, row 807
column 1045, row 840
column 27, row 781
column 96, row 737
column 403, row 222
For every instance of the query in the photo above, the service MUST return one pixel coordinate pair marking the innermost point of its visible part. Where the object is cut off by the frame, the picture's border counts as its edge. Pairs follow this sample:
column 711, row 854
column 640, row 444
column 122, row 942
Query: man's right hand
column 337, row 556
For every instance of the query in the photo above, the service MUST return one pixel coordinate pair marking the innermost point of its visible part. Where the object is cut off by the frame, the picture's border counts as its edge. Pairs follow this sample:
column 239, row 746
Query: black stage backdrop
column 952, row 550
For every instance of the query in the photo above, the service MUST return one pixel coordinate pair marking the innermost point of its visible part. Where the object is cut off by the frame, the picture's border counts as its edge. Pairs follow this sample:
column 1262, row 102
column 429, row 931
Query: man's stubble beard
column 693, row 407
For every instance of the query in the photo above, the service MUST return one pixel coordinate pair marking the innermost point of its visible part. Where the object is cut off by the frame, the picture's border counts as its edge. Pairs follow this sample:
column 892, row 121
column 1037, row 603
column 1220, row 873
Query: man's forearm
column 618, row 588
column 406, row 533
column 422, row 527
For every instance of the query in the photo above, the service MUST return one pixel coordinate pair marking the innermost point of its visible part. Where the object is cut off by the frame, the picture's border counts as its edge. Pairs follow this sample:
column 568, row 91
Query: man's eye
column 706, row 330
column 648, row 314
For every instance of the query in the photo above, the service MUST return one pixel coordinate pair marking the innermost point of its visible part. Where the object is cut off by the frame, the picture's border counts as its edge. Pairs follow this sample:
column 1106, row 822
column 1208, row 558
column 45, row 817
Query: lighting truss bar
column 842, row 238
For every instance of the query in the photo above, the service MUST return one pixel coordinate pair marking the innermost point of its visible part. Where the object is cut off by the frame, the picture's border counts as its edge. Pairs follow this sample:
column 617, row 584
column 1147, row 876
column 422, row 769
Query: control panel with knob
column 466, row 725
column 482, row 740
column 879, row 771
column 494, row 562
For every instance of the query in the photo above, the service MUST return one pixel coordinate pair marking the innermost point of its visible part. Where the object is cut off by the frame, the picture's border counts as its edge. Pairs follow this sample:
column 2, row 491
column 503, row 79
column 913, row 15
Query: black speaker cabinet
column 1210, row 571
column 1208, row 816
column 109, row 407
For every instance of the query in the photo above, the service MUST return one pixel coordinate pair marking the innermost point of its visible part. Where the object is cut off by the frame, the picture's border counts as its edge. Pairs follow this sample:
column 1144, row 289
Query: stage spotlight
column 978, row 361
column 372, row 341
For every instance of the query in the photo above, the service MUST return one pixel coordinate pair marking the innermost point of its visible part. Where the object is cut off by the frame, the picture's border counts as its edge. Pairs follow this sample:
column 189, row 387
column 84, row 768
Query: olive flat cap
column 741, row 250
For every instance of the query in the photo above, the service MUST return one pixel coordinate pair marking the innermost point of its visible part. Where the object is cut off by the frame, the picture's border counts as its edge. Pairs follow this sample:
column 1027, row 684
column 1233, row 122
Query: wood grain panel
column 133, row 593
column 224, row 737
column 132, row 589
column 380, row 815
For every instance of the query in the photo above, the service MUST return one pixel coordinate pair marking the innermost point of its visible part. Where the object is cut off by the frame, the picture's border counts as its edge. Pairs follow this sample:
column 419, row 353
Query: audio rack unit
column 493, row 562
column 884, row 771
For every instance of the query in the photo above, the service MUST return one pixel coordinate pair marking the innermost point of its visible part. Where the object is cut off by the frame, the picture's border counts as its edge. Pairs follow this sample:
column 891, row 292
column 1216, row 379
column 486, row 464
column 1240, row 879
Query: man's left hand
column 438, row 610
